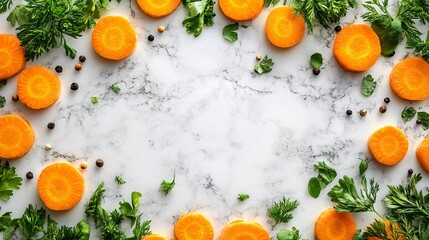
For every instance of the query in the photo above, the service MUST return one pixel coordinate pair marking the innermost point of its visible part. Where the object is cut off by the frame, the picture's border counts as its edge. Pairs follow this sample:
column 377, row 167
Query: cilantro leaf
column 280, row 211
column 119, row 180
column 264, row 66
column 242, row 197
column 115, row 88
column 229, row 33
column 9, row 181
column 200, row 14
column 316, row 60
column 166, row 187
column 408, row 114
column 424, row 119
column 368, row 85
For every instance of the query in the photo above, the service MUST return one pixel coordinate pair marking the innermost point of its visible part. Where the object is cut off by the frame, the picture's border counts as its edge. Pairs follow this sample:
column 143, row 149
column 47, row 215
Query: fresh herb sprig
column 5, row 5
column 242, row 197
column 286, row 234
column 325, row 176
column 119, row 180
column 265, row 66
column 9, row 181
column 267, row 3
column 281, row 211
column 200, row 14
column 165, row 186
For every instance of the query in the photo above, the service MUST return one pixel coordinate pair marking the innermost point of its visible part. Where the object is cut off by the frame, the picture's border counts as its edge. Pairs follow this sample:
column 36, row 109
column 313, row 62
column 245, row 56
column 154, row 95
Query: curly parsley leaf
column 9, row 181
column 368, row 85
column 242, row 197
column 424, row 119
column 408, row 114
column 5, row 5
column 200, row 14
column 265, row 66
column 7, row 225
column 280, row 211
column 166, row 186
column 32, row 221
column 229, row 33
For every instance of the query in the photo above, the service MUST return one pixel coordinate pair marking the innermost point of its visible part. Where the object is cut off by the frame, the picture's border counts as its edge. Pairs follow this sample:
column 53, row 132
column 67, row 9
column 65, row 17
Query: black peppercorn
column 392, row 54
column 349, row 112
column 74, row 86
column 418, row 121
column 78, row 67
column 51, row 125
column 387, row 100
column 58, row 69
column 82, row 58
column 15, row 97
column 363, row 112
column 316, row 71
column 338, row 28
column 99, row 163
column 150, row 38
column 29, row 175
column 383, row 108
column 410, row 172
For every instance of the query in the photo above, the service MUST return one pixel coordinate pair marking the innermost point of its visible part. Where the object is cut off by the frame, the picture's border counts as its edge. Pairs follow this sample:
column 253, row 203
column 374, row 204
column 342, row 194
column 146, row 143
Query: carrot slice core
column 241, row 10
column 388, row 145
column 12, row 56
column 333, row 225
column 193, row 226
column 16, row 136
column 284, row 28
column 158, row 8
column 60, row 186
column 422, row 153
column 243, row 229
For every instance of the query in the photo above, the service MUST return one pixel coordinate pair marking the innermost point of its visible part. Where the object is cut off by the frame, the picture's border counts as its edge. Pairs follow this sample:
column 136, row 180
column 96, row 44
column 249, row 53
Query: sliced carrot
column 284, row 28
column 244, row 229
column 60, row 186
column 114, row 38
column 388, row 231
column 388, row 145
column 38, row 88
column 333, row 225
column 409, row 79
column 193, row 226
column 16, row 136
column 158, row 8
column 12, row 56
column 241, row 10
column 155, row 237
column 357, row 48
column 422, row 153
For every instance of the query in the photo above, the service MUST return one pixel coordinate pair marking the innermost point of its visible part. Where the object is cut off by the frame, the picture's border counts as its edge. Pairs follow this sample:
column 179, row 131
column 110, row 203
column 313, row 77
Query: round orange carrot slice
column 333, row 225
column 60, row 186
column 388, row 145
column 244, row 229
column 241, row 10
column 193, row 226
column 155, row 237
column 16, row 137
column 422, row 153
column 12, row 56
column 284, row 28
column 38, row 88
column 357, row 48
column 409, row 79
column 114, row 38
column 388, row 231
column 158, row 8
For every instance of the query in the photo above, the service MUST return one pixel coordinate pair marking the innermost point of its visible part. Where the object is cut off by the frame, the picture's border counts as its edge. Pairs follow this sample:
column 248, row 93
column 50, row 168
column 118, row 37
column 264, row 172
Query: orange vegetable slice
column 60, row 186
column 284, row 28
column 422, row 153
column 388, row 231
column 241, row 10
column 388, row 145
column 12, row 56
column 244, row 229
column 357, row 48
column 409, row 79
column 16, row 136
column 155, row 237
column 38, row 88
column 158, row 8
column 193, row 226
column 333, row 225
column 114, row 38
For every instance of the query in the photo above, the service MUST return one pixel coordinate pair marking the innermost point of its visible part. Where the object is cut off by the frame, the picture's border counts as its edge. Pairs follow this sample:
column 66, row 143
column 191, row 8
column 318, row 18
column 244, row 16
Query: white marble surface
column 193, row 106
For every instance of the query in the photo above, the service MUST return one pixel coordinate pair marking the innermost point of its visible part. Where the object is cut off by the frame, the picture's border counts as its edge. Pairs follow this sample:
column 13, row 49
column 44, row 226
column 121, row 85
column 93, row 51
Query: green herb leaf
column 316, row 60
column 359, row 235
column 368, row 85
column 2, row 101
column 314, row 187
column 166, row 187
column 94, row 100
column 115, row 88
column 408, row 114
column 9, row 181
column 93, row 208
column 5, row 5
column 7, row 225
column 363, row 166
column 32, row 221
column 424, row 119
column 264, row 66
column 280, row 211
column 267, row 3
column 119, row 180
column 141, row 229
column 200, row 14
column 18, row 15
column 242, row 196
column 3, row 83
column 130, row 210
column 326, row 174
column 229, row 33
column 286, row 234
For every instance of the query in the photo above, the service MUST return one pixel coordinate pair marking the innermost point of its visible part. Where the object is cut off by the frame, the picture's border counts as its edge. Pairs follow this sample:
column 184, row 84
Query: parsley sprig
column 165, row 186
column 280, row 211
column 200, row 14
column 9, row 181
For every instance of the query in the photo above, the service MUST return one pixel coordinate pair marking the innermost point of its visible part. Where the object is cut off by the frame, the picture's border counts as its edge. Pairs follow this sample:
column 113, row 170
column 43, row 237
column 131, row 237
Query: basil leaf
column 264, row 66
column 314, row 187
column 2, row 101
column 363, row 166
column 368, row 85
column 228, row 32
column 316, row 60
column 408, row 113
column 424, row 118
column 3, row 83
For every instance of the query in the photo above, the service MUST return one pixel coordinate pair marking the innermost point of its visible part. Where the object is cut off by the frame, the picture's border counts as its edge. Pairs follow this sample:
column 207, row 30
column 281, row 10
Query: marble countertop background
column 192, row 106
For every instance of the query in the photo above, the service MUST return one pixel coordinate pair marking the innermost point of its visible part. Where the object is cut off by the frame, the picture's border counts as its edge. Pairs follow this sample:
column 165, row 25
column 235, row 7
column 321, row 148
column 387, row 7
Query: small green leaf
column 264, row 66
column 94, row 100
column 3, row 83
column 115, row 88
column 2, row 101
column 368, row 85
column 166, row 186
column 316, row 60
column 314, row 187
column 326, row 174
column 242, row 196
column 363, row 166
column 408, row 114
column 424, row 118
column 286, row 234
column 229, row 33
column 119, row 180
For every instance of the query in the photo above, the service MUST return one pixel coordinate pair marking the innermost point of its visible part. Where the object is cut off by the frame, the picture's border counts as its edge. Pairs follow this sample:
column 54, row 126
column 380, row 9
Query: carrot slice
column 333, row 225
column 158, row 8
column 357, row 48
column 12, row 56
column 388, row 231
column 114, row 38
column 244, row 229
column 60, row 186
column 38, row 88
column 422, row 153
column 241, row 10
column 284, row 28
column 16, row 136
column 155, row 237
column 388, row 145
column 409, row 79
column 193, row 226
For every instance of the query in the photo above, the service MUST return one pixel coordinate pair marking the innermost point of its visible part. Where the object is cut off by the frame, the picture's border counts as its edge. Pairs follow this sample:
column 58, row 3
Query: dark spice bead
column 383, row 109
column 387, row 100
column 418, row 121
column 316, row 71
column 99, row 163
column 338, row 28
column 51, row 125
column 29, row 175
column 82, row 58
column 151, row 38
column 78, row 67
column 363, row 112
column 392, row 54
column 349, row 112
column 74, row 86
column 410, row 172
column 58, row 69
column 15, row 97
